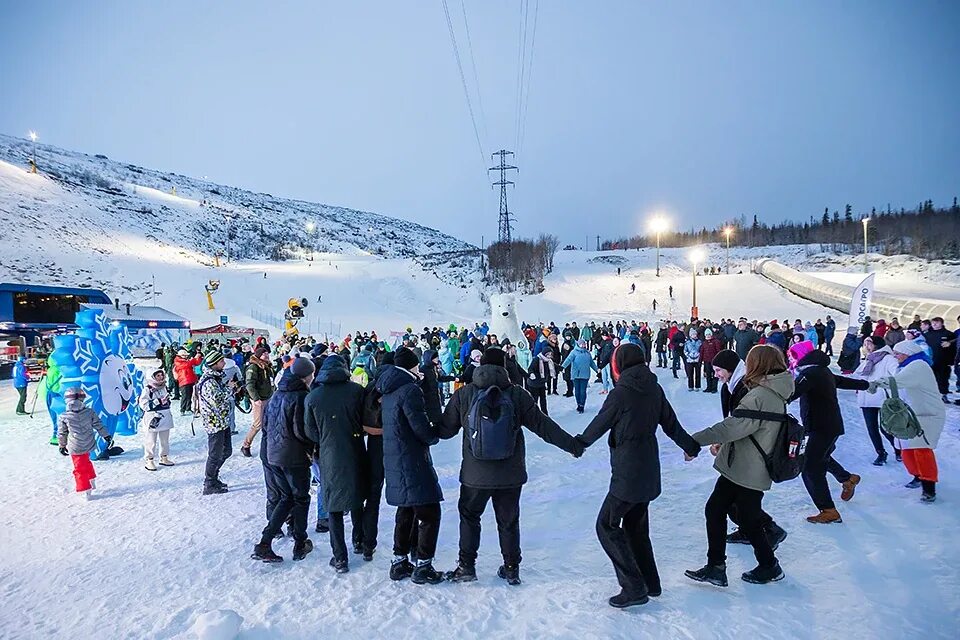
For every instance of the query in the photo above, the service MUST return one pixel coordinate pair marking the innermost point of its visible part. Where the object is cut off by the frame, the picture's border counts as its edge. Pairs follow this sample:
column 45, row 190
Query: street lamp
column 33, row 138
column 866, row 221
column 658, row 225
column 696, row 256
column 727, row 233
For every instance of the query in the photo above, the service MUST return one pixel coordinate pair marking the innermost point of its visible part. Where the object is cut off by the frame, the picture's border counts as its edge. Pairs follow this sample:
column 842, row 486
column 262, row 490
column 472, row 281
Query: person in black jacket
column 566, row 349
column 517, row 375
column 631, row 413
column 412, row 483
column 942, row 351
column 729, row 369
column 285, row 453
column 497, row 480
column 661, row 346
column 366, row 521
column 677, row 341
column 430, row 384
column 333, row 420
column 542, row 370
column 816, row 388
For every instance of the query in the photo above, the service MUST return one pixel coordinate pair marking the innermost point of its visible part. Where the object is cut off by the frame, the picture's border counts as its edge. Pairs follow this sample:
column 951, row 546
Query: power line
column 526, row 99
column 476, row 76
column 463, row 81
column 521, row 50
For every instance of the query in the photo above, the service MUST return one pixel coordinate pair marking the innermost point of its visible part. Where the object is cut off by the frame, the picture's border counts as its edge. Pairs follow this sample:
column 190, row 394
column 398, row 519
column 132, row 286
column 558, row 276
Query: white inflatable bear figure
column 503, row 318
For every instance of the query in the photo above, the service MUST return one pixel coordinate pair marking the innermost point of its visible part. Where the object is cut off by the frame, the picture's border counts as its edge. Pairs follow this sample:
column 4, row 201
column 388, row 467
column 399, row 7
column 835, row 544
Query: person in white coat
column 879, row 364
column 157, row 420
column 917, row 386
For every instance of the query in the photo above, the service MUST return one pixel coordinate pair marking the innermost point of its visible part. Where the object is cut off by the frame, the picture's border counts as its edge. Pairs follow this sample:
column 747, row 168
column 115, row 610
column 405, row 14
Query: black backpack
column 491, row 425
column 785, row 462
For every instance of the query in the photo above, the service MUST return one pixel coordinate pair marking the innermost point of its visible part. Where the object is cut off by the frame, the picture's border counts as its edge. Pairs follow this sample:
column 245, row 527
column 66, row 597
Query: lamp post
column 727, row 233
column 695, row 257
column 33, row 138
column 866, row 221
column 658, row 225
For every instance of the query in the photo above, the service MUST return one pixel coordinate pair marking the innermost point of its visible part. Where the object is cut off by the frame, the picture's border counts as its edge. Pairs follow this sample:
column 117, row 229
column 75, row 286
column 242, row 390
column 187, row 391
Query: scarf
column 871, row 362
column 546, row 364
column 917, row 356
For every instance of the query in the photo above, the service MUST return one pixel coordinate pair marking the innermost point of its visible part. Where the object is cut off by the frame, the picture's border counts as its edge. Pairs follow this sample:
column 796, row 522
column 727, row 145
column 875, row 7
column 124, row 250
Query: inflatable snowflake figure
column 97, row 358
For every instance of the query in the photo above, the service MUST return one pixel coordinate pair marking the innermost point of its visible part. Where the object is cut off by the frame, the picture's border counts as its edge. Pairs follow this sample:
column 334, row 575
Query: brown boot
column 850, row 487
column 826, row 516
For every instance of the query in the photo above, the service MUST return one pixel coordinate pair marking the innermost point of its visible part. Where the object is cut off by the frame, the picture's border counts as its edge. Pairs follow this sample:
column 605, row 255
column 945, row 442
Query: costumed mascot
column 97, row 358
column 503, row 318
column 292, row 316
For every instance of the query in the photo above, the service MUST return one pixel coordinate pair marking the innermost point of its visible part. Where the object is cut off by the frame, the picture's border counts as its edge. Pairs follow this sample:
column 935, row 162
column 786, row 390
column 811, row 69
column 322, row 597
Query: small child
column 77, row 428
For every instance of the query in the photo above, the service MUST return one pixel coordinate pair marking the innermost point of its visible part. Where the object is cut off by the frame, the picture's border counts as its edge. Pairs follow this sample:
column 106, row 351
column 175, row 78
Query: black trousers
column 677, row 361
column 552, row 383
column 506, row 506
column 426, row 517
column 186, row 398
column 623, row 529
column 710, row 378
column 22, row 402
column 293, row 485
column 219, row 448
column 942, row 373
column 818, row 461
column 728, row 495
column 540, row 395
column 693, row 374
column 172, row 387
column 871, row 416
column 662, row 359
column 365, row 520
column 338, row 541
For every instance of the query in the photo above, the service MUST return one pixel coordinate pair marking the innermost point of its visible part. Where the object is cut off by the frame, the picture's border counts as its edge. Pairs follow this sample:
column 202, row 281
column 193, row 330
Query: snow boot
column 323, row 526
column 826, row 516
column 149, row 464
column 264, row 553
column 914, row 484
column 426, row 574
column 881, row 459
column 899, row 455
column 165, row 461
column 278, row 535
column 763, row 575
column 775, row 535
column 368, row 555
column 714, row 574
column 214, row 490
column 928, row 498
column 357, row 548
column 301, row 548
column 463, row 573
column 342, row 566
column 929, row 491
column 510, row 573
column 93, row 483
column 850, row 487
column 401, row 568
column 738, row 537
column 623, row 600
column 245, row 451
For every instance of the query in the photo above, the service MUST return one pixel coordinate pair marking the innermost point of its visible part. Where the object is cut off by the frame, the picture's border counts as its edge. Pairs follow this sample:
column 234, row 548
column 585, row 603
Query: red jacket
column 709, row 350
column 881, row 329
column 183, row 371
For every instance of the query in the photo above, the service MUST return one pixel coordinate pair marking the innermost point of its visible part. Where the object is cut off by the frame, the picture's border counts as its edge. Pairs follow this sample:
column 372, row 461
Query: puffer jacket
column 709, row 350
column 259, row 379
column 213, row 401
column 691, row 350
column 917, row 386
column 524, row 357
column 738, row 459
column 580, row 363
column 885, row 365
column 20, row 376
column 155, row 404
column 183, row 370
column 407, row 437
column 284, row 426
column 77, row 428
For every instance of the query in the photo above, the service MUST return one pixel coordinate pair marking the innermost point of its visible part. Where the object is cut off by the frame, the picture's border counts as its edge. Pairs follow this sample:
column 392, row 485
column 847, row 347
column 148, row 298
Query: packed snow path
column 150, row 554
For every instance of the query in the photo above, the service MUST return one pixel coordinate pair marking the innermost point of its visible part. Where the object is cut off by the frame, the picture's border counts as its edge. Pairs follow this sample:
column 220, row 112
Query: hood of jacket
column 289, row 382
column 814, row 358
column 393, row 378
column 333, row 371
column 428, row 356
column 491, row 375
column 782, row 383
column 638, row 378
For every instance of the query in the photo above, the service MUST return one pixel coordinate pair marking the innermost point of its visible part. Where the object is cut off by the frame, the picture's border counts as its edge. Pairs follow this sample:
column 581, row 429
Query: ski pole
column 36, row 394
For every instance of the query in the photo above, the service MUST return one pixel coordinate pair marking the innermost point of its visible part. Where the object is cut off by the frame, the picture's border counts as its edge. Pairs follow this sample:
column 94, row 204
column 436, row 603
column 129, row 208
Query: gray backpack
column 897, row 418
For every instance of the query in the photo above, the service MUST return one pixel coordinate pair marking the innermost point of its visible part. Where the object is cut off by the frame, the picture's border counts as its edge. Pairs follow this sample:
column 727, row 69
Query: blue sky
column 702, row 110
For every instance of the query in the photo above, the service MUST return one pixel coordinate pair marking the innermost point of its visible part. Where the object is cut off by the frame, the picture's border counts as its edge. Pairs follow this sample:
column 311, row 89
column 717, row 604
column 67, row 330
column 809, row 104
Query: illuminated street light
column 696, row 256
column 658, row 225
column 727, row 232
column 866, row 221
column 33, row 138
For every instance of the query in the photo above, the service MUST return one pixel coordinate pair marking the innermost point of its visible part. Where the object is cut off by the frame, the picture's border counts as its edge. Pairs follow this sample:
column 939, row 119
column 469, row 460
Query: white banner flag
column 860, row 304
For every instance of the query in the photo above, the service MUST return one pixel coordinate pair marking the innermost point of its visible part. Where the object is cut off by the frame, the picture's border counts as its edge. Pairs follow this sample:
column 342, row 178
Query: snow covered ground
column 150, row 554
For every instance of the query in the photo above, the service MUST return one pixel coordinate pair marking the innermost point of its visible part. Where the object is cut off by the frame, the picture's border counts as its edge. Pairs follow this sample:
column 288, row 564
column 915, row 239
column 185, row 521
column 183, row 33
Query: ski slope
column 150, row 554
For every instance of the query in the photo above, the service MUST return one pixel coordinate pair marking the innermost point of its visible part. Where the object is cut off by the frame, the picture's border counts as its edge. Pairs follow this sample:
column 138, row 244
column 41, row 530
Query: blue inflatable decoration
column 98, row 359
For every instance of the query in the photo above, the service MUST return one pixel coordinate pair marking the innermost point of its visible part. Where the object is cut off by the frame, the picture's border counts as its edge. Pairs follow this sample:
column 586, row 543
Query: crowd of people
column 359, row 416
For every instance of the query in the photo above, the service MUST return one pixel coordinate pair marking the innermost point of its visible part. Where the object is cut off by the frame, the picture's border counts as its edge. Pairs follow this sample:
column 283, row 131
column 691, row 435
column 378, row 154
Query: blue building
column 32, row 311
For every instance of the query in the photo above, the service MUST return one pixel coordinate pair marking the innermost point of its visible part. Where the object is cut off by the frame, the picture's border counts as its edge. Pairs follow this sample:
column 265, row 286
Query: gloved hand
column 63, row 451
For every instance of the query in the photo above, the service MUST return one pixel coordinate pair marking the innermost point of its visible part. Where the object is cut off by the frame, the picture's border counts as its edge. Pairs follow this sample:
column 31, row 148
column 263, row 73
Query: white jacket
column 917, row 386
column 155, row 403
column 883, row 369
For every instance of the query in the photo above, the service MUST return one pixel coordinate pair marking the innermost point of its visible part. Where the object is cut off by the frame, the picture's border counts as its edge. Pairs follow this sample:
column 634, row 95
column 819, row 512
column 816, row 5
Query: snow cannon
column 293, row 315
column 210, row 288
column 97, row 358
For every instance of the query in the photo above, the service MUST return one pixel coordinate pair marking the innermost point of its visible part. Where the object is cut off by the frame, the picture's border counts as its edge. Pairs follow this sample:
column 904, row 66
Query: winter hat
column 907, row 348
column 475, row 355
column 582, row 344
column 877, row 341
column 388, row 357
column 801, row 349
column 154, row 374
column 301, row 367
column 625, row 356
column 212, row 358
column 74, row 393
column 693, row 332
column 318, row 350
column 708, row 333
column 183, row 353
column 261, row 351
column 285, row 359
column 494, row 356
column 405, row 358
column 727, row 360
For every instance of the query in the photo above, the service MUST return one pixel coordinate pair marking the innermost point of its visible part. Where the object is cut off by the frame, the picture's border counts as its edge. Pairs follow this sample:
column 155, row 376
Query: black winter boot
column 737, row 537
column 914, row 484
column 342, row 566
column 775, row 535
column 401, row 568
column 301, row 548
column 510, row 573
column 323, row 526
column 264, row 553
column 426, row 574
column 624, row 599
column 463, row 573
column 715, row 575
column 763, row 575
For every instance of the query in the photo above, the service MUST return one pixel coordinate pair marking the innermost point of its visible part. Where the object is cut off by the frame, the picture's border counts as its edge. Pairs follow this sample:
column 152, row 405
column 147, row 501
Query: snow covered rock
column 503, row 317
column 221, row 624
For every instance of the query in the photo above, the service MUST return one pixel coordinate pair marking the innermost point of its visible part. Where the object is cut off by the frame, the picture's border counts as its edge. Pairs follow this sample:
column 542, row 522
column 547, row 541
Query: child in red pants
column 77, row 430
